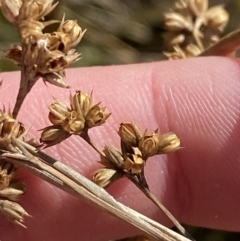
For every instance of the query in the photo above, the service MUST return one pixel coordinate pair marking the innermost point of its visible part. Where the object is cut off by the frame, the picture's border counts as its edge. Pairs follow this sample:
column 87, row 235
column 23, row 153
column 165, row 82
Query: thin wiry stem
column 26, row 83
column 142, row 185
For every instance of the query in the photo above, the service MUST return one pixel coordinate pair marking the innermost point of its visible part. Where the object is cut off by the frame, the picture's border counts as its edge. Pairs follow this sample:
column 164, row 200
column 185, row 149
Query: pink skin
column 198, row 99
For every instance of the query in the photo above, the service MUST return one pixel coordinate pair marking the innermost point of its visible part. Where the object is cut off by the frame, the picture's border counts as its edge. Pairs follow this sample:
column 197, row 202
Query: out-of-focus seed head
column 168, row 142
column 198, row 7
column 73, row 30
column 13, row 212
column 175, row 22
column 105, row 177
column 217, row 18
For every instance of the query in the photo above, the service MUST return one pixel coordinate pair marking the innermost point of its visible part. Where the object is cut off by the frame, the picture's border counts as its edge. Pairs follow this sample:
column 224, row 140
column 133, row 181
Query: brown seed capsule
column 56, row 78
column 216, row 17
column 134, row 163
column 36, row 9
column 10, row 10
column 13, row 212
column 81, row 103
column 59, row 112
column 168, row 142
column 96, row 116
column 53, row 135
column 13, row 191
column 130, row 134
column 9, row 126
column 74, row 125
column 149, row 145
column 112, row 159
column 105, row 177
column 7, row 172
column 73, row 30
column 59, row 41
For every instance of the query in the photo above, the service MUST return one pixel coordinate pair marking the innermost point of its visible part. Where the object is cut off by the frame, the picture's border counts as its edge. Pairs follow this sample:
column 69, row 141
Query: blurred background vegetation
column 121, row 32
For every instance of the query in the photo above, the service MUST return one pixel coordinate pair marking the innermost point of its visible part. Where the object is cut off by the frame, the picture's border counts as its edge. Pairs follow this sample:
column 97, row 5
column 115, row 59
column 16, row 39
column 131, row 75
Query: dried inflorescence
column 192, row 26
column 136, row 148
column 45, row 55
column 75, row 119
column 10, row 189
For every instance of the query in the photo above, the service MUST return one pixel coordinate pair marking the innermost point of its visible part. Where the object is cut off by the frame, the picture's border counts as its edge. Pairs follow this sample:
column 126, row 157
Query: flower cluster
column 10, row 189
column 43, row 55
column 74, row 120
column 192, row 27
column 136, row 148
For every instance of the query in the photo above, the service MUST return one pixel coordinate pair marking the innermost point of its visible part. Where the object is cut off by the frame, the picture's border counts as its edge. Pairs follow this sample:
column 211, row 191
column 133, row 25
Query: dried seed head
column 13, row 191
column 216, row 18
column 134, row 163
column 105, row 177
column 53, row 135
column 10, row 10
column 13, row 212
column 130, row 134
column 80, row 116
column 93, row 115
column 7, row 172
column 149, row 145
column 174, row 39
column 73, row 30
column 168, row 142
column 190, row 24
column 112, row 158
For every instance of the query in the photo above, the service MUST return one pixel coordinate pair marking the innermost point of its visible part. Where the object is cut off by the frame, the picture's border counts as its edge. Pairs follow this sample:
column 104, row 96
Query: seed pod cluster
column 45, row 55
column 76, row 119
column 136, row 148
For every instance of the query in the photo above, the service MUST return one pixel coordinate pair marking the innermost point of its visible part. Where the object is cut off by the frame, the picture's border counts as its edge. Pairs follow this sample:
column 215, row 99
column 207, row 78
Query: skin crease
column 198, row 99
